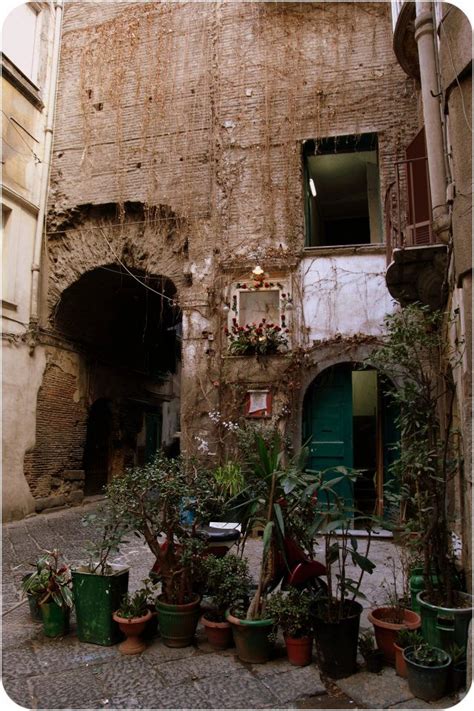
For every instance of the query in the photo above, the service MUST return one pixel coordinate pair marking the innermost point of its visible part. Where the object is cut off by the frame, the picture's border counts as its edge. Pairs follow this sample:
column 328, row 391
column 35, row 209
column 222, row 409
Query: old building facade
column 216, row 165
column 30, row 51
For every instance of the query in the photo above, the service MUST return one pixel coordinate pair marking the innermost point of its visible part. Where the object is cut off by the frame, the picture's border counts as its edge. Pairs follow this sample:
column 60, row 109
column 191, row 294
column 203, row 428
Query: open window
column 342, row 191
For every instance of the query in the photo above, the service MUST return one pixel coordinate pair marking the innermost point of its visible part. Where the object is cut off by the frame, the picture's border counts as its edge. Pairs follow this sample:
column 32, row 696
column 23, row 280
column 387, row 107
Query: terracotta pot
column 386, row 632
column 299, row 650
column 400, row 663
column 219, row 634
column 132, row 629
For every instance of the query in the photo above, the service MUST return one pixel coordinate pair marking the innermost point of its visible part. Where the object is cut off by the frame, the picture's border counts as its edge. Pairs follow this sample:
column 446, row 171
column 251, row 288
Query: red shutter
column 419, row 201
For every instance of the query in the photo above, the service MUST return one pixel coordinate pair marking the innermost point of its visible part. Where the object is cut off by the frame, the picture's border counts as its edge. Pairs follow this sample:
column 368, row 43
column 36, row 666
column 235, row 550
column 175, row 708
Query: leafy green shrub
column 292, row 610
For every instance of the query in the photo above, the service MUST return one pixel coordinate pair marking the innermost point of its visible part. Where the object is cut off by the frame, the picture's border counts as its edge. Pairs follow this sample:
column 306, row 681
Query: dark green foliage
column 292, row 610
column 227, row 581
column 367, row 643
column 409, row 638
column 416, row 354
column 427, row 656
column 150, row 501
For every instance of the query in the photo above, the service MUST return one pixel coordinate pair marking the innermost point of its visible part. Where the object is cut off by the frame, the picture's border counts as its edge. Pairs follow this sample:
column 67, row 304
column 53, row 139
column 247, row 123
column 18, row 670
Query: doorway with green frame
column 350, row 420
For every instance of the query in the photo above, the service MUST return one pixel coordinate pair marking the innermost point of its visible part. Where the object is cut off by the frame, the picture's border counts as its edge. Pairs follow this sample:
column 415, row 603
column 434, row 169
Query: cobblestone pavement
column 64, row 673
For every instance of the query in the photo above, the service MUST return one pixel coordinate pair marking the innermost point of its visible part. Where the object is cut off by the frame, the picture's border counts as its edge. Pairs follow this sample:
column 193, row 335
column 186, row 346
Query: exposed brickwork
column 60, row 435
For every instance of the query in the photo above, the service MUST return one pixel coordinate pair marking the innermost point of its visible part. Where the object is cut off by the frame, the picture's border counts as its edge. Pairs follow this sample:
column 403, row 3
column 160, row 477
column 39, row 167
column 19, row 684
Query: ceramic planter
column 443, row 626
column 96, row 598
column 337, row 642
column 178, row 622
column 55, row 619
column 132, row 628
column 219, row 634
column 251, row 639
column 299, row 650
column 386, row 632
column 427, row 683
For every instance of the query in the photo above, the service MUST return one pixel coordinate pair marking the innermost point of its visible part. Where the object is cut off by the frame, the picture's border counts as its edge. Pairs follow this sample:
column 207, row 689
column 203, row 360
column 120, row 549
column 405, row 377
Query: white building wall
column 344, row 294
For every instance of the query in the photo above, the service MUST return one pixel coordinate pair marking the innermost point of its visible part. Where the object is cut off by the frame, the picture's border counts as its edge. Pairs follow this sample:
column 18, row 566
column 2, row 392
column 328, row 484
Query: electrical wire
column 173, row 302
column 22, row 137
column 456, row 76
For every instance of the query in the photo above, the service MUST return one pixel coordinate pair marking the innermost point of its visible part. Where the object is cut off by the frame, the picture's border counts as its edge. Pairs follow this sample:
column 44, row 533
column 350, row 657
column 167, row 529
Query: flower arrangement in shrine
column 256, row 339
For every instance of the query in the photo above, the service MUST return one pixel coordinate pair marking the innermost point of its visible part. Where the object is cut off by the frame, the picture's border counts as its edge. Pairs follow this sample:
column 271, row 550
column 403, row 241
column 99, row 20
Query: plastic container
column 96, row 598
column 444, row 626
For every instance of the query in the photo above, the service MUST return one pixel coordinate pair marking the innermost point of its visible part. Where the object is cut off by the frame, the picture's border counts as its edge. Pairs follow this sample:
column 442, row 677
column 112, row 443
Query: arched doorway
column 96, row 450
column 127, row 327
column 349, row 420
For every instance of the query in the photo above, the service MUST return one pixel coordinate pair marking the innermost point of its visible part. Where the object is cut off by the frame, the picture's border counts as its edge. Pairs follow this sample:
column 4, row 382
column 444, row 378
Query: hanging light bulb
column 257, row 272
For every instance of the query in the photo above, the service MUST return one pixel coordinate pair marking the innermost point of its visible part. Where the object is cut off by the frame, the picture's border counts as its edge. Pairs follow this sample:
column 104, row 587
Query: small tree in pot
column 337, row 613
column 292, row 611
column 417, row 354
column 151, row 501
column 98, row 585
column 227, row 582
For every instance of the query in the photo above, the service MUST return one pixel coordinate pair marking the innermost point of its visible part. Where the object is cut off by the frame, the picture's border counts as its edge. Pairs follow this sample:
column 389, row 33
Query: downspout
column 44, row 180
column 425, row 38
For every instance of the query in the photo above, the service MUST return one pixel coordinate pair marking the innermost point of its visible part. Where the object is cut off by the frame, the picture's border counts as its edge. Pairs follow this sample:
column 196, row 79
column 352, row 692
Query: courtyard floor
column 64, row 673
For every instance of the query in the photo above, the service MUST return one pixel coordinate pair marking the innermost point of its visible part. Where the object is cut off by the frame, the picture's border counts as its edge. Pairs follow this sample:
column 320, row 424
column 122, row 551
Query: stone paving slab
column 294, row 684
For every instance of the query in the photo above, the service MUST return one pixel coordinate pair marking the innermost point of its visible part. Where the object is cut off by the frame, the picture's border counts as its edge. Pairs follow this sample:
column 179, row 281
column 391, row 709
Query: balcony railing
column 408, row 207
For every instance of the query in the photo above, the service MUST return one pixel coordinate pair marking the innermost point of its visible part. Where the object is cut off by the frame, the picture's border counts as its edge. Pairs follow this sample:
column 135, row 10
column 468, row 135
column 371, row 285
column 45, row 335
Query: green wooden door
column 328, row 424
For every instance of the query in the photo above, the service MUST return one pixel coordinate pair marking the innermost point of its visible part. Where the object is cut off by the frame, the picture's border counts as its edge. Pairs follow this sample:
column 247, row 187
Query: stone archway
column 116, row 362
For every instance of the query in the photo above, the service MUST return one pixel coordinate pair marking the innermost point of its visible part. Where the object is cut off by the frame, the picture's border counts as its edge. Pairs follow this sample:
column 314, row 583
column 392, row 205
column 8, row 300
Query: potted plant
column 416, row 355
column 389, row 619
column 427, row 671
column 405, row 638
column 458, row 671
column 373, row 657
column 98, row 586
column 292, row 611
column 149, row 501
column 132, row 616
column 50, row 585
column 279, row 498
column 227, row 582
column 337, row 613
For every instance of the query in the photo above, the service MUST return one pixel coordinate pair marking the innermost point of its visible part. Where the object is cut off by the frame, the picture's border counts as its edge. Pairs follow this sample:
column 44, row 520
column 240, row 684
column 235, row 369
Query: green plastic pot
column 427, row 683
column 55, row 619
column 96, row 598
column 443, row 626
column 35, row 612
column 178, row 622
column 251, row 638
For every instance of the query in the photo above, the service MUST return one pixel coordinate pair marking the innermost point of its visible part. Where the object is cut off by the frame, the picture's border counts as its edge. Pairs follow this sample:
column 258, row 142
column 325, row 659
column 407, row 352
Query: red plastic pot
column 219, row 634
column 299, row 650
column 400, row 663
column 386, row 632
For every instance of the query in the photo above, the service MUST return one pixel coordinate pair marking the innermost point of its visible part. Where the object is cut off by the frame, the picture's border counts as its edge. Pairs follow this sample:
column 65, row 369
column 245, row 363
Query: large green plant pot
column 55, row 619
column 336, row 642
column 251, row 639
column 427, row 683
column 96, row 598
column 444, row 626
column 178, row 622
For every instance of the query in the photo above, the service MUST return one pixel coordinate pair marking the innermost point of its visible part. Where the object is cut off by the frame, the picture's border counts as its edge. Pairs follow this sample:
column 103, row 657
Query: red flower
column 267, row 285
column 244, row 286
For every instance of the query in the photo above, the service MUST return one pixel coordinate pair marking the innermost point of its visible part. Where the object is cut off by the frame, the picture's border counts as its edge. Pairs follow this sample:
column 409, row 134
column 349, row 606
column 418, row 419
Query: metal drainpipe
column 425, row 38
column 48, row 143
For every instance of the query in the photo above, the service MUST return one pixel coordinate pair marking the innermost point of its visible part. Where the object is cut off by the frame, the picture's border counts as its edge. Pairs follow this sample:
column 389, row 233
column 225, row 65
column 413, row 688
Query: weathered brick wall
column 198, row 111
column 53, row 467
column 203, row 108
